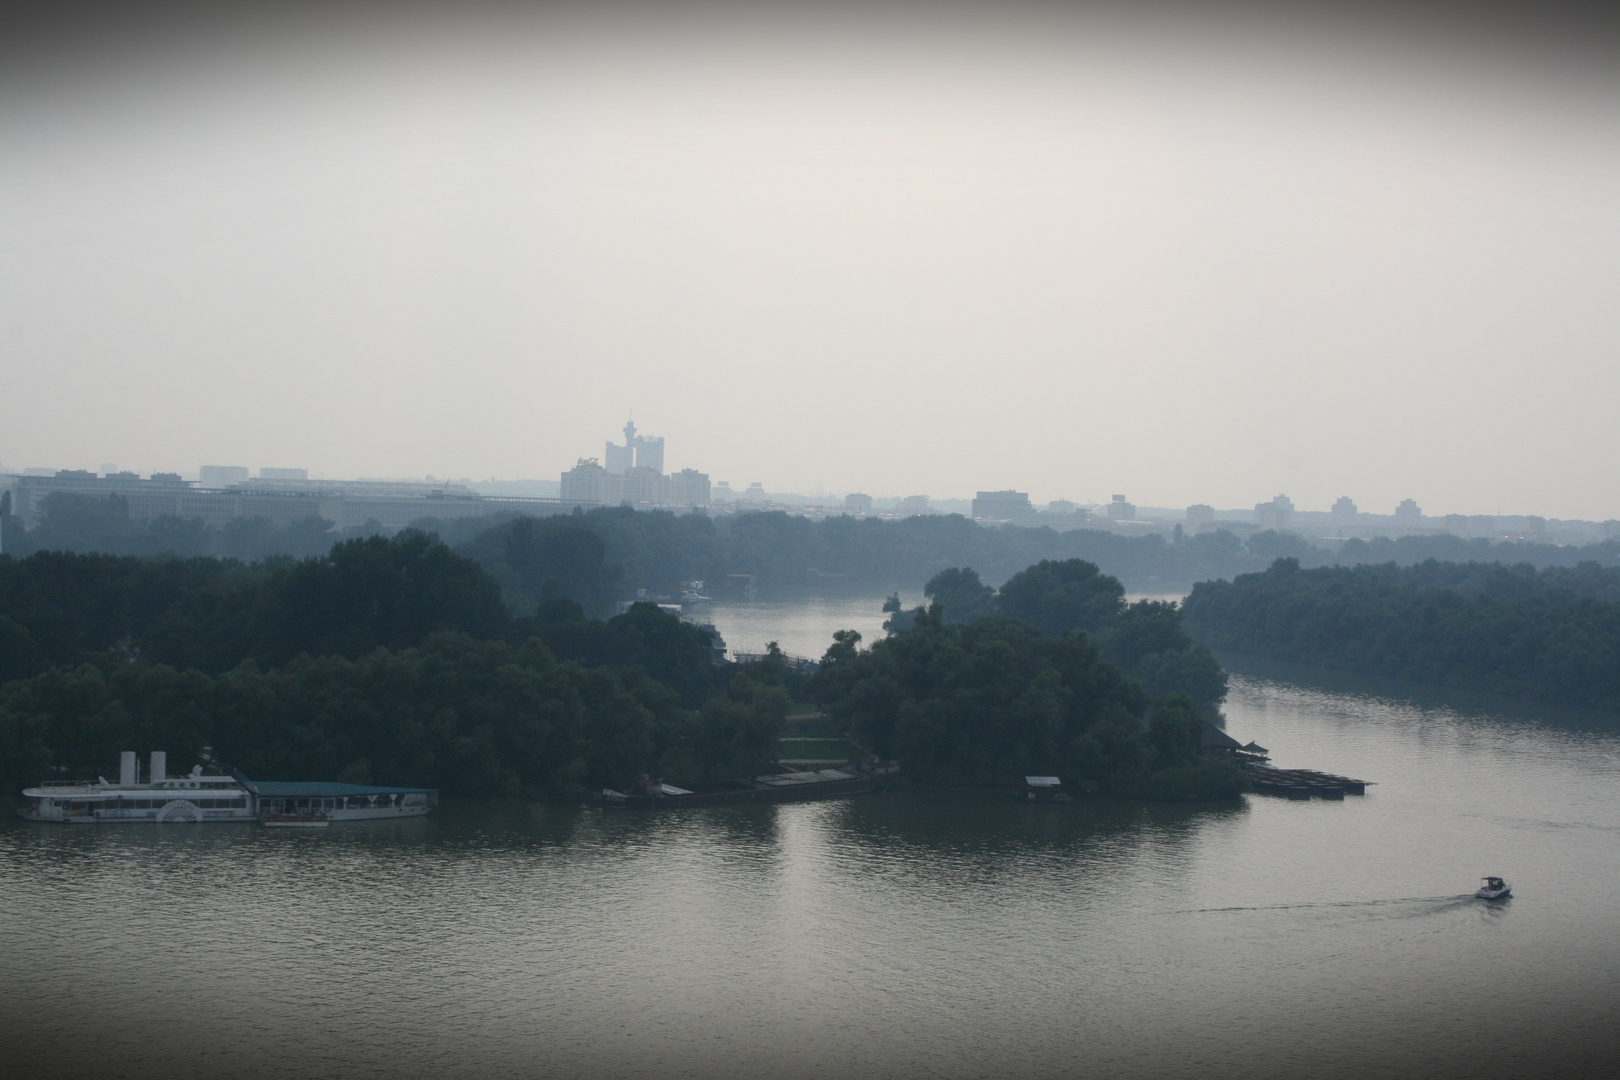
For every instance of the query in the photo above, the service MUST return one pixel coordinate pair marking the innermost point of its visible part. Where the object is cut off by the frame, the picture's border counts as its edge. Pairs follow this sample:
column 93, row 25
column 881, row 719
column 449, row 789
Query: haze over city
column 1206, row 258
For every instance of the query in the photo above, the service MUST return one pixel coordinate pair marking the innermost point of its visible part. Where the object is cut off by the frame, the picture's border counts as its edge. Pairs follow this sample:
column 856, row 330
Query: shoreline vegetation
column 608, row 552
column 495, row 664
column 398, row 661
column 1550, row 635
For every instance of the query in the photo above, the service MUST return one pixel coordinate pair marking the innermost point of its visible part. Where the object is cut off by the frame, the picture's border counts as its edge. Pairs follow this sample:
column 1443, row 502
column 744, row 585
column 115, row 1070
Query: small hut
column 1044, row 789
column 1217, row 743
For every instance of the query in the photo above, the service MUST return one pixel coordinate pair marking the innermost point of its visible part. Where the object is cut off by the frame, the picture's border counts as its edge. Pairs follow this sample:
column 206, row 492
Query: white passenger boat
column 200, row 797
column 166, row 799
column 1493, row 888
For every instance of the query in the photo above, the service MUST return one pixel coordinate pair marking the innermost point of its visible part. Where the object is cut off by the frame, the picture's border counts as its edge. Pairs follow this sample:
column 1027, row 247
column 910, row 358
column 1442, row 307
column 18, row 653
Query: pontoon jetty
column 776, row 787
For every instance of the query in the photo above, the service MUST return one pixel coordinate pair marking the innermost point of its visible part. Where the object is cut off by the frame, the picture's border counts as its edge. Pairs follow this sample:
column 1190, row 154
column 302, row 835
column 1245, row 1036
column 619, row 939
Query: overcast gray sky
column 918, row 250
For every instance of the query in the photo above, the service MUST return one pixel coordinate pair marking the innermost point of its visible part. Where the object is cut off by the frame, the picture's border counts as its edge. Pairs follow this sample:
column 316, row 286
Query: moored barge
column 776, row 787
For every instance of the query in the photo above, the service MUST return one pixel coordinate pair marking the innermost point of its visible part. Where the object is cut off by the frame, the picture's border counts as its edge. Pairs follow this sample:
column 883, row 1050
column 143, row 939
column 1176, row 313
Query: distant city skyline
column 1276, row 512
column 1076, row 253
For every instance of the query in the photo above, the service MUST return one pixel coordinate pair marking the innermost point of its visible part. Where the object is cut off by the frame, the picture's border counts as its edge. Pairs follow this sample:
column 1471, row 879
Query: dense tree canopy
column 211, row 614
column 994, row 700
column 1145, row 640
column 1057, row 596
column 1552, row 634
column 785, row 554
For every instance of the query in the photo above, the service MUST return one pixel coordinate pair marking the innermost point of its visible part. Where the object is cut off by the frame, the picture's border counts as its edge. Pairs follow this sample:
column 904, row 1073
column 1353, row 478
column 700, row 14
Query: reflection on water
column 799, row 627
column 921, row 934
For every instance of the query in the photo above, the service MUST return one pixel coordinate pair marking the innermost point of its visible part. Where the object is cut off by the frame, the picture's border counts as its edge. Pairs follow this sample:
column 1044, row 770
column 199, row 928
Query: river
column 929, row 934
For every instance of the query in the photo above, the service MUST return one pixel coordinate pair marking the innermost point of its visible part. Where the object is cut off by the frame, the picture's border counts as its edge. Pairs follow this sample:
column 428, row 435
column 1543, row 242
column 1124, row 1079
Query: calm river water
column 915, row 935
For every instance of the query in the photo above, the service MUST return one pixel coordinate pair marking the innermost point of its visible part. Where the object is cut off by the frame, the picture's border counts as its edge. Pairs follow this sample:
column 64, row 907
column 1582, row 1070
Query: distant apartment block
column 1276, row 514
column 218, row 476
column 689, row 488
column 1344, row 512
column 1120, row 509
column 755, row 492
column 1457, row 524
column 1006, row 505
column 857, row 503
column 589, row 482
column 283, row 474
column 912, row 505
column 1200, row 514
column 1408, row 514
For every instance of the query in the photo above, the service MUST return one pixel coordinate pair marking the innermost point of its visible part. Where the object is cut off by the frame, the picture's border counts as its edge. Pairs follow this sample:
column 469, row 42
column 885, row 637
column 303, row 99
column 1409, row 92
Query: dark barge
column 1300, row 784
column 778, row 787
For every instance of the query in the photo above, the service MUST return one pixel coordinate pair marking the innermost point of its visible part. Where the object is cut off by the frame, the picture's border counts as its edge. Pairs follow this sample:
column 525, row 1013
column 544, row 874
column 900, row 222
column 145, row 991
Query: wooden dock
column 1301, row 784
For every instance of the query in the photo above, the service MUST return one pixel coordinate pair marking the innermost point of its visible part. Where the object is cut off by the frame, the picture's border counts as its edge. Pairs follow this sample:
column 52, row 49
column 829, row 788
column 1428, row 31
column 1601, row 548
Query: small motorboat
column 1494, row 888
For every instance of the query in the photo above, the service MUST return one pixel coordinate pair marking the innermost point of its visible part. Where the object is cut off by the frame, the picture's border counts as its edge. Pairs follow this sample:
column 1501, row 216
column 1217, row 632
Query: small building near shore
column 1044, row 789
column 1216, row 743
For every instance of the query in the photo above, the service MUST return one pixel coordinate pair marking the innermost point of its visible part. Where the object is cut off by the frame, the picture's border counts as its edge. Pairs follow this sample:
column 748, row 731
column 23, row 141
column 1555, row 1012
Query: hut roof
column 1216, row 739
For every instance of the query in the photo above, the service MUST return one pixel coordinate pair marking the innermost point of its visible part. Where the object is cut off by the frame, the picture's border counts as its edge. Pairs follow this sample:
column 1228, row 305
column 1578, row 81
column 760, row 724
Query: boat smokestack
column 160, row 765
column 126, row 768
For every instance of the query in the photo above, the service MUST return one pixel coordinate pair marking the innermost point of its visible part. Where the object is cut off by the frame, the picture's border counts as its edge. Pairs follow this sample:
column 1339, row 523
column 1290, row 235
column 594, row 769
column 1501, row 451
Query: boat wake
column 1452, row 899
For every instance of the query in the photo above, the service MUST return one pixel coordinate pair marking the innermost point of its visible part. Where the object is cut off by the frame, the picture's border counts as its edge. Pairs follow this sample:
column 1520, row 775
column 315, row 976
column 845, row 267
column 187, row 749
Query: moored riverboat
column 295, row 821
column 774, row 787
column 195, row 797
column 339, row 802
column 206, row 797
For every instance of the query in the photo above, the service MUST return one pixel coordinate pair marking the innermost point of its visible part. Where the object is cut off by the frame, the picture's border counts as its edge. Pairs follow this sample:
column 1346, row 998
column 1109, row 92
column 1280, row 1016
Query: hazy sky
column 1189, row 258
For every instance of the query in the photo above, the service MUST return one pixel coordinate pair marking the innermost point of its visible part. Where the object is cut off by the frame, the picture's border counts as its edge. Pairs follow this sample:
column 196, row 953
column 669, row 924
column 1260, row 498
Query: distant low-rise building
column 914, row 504
column 158, row 496
column 858, row 503
column 345, row 503
column 218, row 476
column 1200, row 514
column 283, row 474
column 1121, row 509
column 1005, row 505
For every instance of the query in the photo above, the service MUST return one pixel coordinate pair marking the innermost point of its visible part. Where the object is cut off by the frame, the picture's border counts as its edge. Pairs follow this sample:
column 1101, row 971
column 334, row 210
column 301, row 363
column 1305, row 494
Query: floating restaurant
column 203, row 797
